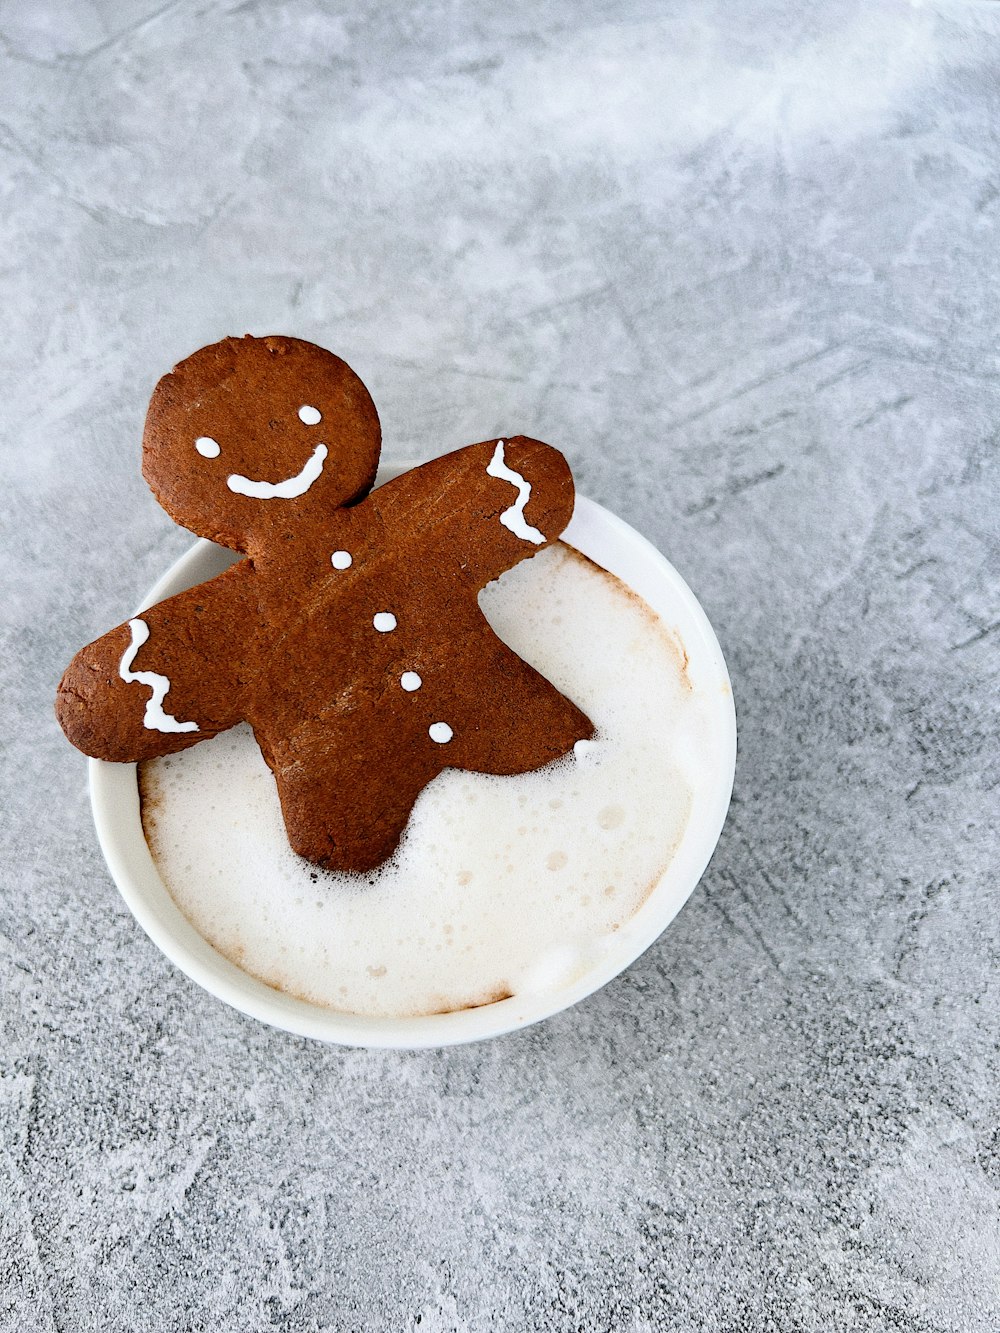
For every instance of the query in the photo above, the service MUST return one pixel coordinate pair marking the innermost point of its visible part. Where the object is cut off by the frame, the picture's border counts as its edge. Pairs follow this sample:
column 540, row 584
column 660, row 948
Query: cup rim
column 603, row 537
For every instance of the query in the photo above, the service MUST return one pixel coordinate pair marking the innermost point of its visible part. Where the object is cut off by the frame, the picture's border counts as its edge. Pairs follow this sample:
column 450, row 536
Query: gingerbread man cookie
column 350, row 637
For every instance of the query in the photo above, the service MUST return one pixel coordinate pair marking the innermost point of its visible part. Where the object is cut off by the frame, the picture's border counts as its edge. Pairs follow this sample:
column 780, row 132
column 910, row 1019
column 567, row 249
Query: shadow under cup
column 615, row 546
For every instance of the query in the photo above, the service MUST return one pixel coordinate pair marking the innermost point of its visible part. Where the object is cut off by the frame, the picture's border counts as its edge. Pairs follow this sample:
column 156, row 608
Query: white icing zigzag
column 155, row 719
column 281, row 490
column 513, row 518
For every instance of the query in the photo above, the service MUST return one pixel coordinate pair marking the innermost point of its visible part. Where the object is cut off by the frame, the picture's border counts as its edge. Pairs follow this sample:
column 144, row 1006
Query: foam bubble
column 502, row 885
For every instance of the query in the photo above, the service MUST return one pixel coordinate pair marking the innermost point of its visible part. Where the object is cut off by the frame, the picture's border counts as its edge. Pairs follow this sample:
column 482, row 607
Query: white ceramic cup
column 618, row 548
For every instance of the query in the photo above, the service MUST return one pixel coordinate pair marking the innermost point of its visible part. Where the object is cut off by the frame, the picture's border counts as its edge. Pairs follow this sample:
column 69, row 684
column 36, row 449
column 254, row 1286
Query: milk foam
column 502, row 885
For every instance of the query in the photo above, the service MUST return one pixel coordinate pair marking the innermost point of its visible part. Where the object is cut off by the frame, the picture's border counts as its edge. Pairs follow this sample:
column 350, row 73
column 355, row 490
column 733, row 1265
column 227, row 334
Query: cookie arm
column 485, row 507
column 163, row 680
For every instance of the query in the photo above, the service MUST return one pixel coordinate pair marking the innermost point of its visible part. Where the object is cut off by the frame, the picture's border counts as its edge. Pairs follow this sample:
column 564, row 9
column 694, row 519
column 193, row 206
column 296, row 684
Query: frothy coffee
column 501, row 886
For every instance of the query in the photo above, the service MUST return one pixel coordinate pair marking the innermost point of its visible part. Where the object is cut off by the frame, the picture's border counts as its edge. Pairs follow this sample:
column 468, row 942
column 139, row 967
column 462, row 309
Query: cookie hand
column 153, row 685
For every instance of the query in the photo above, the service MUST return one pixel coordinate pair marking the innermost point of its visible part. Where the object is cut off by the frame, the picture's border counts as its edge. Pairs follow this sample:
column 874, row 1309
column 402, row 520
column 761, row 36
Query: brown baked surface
column 287, row 641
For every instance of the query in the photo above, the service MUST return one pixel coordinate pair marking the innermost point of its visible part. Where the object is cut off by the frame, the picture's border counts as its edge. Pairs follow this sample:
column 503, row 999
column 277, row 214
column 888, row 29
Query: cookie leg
column 345, row 809
column 518, row 721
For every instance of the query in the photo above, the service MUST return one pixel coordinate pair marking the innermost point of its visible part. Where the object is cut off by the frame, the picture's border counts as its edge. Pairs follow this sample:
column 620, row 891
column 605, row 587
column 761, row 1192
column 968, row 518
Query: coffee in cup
column 502, row 886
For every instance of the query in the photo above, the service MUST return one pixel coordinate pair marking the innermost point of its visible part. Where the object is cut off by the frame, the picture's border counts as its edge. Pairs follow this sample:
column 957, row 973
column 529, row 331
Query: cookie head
column 250, row 437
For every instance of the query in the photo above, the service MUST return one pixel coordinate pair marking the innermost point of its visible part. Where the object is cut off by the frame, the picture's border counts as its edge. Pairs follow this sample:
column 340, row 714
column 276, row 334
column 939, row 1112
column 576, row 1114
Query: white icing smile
column 154, row 719
column 281, row 490
column 513, row 518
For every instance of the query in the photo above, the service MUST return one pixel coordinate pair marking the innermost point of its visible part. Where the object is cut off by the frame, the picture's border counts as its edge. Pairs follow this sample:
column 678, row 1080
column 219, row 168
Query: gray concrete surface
column 741, row 263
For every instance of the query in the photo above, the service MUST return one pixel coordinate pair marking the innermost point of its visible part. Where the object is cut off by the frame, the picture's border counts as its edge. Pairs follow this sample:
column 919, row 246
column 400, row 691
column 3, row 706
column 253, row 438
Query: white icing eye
column 310, row 416
column 410, row 681
column 207, row 447
column 341, row 560
column 384, row 622
column 440, row 732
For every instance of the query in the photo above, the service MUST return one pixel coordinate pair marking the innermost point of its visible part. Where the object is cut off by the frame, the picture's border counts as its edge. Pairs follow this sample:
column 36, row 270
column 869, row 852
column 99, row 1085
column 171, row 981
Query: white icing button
column 207, row 447
column 384, row 622
column 440, row 732
column 311, row 416
column 341, row 560
column 410, row 681
column 582, row 747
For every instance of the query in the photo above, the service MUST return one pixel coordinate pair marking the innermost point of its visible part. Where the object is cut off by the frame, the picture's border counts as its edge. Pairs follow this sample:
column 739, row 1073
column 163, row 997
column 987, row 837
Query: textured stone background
column 741, row 262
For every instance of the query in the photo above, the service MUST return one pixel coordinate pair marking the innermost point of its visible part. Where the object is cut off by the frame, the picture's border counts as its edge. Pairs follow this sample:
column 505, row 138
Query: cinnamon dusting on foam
column 653, row 621
column 495, row 996
column 469, row 911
